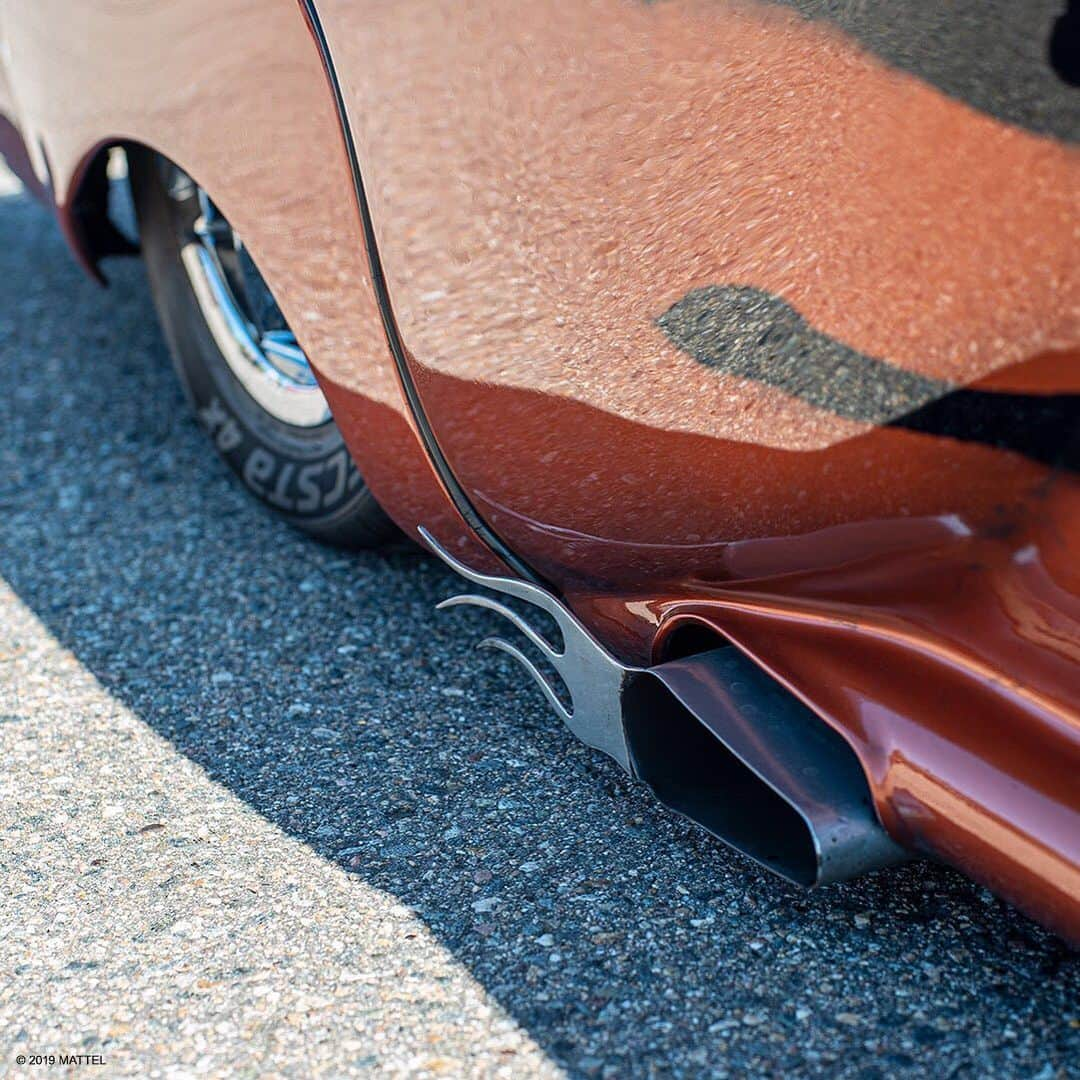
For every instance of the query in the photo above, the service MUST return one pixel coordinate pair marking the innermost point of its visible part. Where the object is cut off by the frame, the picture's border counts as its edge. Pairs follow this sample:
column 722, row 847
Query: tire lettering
column 258, row 470
column 311, row 494
column 300, row 492
column 230, row 436
column 213, row 415
column 279, row 496
column 223, row 429
column 340, row 461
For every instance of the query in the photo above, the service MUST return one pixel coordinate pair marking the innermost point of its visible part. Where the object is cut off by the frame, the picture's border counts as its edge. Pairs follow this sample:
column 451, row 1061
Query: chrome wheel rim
column 244, row 320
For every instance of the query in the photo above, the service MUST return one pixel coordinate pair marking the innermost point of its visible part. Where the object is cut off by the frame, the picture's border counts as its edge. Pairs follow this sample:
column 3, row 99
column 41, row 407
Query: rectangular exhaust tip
column 721, row 742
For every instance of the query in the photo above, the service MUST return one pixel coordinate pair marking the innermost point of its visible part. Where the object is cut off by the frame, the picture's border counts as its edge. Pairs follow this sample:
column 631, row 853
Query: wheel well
column 98, row 220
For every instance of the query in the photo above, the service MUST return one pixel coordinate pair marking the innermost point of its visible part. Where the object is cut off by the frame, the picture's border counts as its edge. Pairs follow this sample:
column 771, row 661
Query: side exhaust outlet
column 717, row 740
column 722, row 743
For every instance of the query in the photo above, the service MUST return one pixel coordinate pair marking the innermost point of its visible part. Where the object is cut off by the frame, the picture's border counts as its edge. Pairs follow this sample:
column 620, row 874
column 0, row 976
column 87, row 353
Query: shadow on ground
column 324, row 690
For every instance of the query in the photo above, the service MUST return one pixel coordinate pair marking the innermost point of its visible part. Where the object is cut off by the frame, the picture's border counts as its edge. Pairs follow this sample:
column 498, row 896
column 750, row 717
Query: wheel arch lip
column 84, row 213
column 78, row 199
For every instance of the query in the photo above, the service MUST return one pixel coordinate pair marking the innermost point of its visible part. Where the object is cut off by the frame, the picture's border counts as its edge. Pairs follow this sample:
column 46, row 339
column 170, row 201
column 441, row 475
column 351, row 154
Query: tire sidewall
column 306, row 474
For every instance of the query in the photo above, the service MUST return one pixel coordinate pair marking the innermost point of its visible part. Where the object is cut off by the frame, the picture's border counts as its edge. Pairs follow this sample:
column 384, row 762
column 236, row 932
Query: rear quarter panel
column 766, row 315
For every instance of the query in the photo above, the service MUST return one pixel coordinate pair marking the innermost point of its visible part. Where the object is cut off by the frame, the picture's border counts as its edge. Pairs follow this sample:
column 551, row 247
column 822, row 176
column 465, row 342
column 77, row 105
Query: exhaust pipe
column 717, row 740
column 724, row 744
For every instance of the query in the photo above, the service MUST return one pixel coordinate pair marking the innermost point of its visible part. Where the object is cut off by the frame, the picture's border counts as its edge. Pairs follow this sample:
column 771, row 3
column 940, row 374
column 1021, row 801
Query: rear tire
column 303, row 471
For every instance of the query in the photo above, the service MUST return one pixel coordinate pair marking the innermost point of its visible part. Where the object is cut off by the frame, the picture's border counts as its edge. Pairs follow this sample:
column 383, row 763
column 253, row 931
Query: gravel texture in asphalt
column 263, row 811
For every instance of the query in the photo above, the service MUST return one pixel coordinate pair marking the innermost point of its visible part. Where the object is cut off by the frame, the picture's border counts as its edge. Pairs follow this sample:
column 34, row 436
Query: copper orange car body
column 748, row 316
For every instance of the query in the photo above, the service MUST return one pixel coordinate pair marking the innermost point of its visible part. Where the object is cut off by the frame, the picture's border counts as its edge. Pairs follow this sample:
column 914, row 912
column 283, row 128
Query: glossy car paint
column 257, row 126
column 549, row 187
column 757, row 317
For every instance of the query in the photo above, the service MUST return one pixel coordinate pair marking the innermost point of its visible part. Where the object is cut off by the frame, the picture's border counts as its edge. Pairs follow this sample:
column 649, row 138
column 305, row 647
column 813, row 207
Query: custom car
column 730, row 348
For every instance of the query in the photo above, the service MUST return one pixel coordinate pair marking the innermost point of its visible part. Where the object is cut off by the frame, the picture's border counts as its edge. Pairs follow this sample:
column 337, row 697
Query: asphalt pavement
column 264, row 812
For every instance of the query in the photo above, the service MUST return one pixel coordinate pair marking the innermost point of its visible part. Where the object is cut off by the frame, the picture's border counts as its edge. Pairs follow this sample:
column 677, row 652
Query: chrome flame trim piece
column 594, row 679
